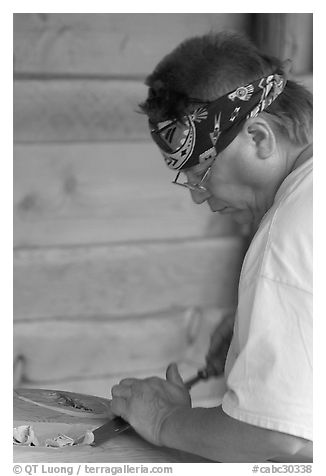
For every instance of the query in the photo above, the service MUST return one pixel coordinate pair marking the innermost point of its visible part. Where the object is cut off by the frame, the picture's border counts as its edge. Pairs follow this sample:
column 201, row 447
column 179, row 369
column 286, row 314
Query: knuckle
column 114, row 389
column 153, row 381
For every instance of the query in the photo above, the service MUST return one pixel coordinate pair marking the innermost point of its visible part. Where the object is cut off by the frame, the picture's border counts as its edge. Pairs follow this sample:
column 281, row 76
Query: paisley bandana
column 203, row 134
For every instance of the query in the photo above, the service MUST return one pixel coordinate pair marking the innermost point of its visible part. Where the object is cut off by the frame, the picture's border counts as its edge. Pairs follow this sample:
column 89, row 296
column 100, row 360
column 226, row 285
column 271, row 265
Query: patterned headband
column 203, row 134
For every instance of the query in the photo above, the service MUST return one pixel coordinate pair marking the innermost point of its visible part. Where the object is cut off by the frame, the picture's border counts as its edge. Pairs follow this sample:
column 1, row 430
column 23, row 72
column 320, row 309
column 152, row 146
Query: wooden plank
column 83, row 349
column 130, row 279
column 107, row 43
column 79, row 111
column 208, row 393
column 48, row 423
column 299, row 41
column 83, row 110
column 128, row 447
column 286, row 35
column 64, row 350
column 115, row 455
column 103, row 193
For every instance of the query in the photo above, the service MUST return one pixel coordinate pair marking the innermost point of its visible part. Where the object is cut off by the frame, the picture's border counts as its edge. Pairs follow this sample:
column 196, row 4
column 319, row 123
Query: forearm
column 214, row 435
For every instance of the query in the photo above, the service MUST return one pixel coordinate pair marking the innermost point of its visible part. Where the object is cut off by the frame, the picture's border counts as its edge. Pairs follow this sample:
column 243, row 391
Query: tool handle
column 202, row 374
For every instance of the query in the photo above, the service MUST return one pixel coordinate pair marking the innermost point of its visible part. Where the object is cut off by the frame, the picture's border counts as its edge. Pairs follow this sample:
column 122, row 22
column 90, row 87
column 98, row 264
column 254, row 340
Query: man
column 226, row 116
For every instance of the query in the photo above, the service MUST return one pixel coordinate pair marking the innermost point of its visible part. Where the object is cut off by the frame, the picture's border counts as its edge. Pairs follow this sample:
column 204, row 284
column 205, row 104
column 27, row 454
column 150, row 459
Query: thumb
column 173, row 376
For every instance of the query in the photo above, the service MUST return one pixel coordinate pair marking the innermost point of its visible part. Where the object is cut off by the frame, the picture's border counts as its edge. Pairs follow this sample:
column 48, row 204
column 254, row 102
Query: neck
column 266, row 196
column 299, row 157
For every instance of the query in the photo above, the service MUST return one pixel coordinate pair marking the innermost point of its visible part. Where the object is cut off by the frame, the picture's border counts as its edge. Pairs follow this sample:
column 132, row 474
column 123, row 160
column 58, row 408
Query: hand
column 146, row 404
column 219, row 345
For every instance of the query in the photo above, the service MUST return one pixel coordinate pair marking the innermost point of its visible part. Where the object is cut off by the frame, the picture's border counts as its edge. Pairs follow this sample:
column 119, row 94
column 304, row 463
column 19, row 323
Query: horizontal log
column 80, row 194
column 83, row 110
column 79, row 111
column 286, row 35
column 205, row 394
column 107, row 43
column 70, row 352
column 64, row 350
column 130, row 279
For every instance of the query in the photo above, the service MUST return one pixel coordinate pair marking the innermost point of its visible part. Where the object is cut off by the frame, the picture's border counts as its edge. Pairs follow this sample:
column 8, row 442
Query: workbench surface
column 34, row 407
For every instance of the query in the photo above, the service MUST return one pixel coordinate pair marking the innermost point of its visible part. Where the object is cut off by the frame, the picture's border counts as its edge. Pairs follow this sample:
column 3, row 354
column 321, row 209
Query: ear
column 262, row 136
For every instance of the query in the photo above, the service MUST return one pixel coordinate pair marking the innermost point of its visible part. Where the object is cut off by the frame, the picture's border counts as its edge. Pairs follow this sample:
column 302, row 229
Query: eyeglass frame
column 195, row 187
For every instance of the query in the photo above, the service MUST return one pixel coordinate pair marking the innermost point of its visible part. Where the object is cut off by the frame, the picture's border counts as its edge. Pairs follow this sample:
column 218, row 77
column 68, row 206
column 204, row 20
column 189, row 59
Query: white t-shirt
column 269, row 364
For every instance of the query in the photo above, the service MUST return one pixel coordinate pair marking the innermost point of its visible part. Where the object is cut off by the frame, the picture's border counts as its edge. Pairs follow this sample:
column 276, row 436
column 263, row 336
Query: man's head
column 218, row 103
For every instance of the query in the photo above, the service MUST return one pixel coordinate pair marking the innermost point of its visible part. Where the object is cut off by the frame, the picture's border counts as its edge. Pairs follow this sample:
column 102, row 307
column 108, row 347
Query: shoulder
column 292, row 207
column 288, row 256
column 281, row 249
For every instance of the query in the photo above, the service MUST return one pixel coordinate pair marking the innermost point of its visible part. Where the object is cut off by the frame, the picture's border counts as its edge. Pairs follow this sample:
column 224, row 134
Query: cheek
column 231, row 194
column 237, row 164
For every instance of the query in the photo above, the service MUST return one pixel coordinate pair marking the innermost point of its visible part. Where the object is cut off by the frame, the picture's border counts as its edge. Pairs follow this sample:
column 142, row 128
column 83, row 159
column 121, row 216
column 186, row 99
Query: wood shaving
column 24, row 435
column 67, row 401
column 59, row 441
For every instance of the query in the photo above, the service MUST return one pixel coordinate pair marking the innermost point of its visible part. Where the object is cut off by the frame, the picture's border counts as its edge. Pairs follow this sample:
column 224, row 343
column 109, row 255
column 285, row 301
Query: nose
column 199, row 197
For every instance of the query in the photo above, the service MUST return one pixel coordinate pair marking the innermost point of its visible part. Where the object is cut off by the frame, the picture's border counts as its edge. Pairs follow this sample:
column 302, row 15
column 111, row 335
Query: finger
column 119, row 407
column 128, row 381
column 121, row 391
column 173, row 375
column 153, row 382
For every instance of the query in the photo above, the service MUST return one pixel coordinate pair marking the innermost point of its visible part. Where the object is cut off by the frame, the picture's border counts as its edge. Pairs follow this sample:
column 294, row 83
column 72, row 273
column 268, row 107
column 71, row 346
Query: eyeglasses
column 195, row 187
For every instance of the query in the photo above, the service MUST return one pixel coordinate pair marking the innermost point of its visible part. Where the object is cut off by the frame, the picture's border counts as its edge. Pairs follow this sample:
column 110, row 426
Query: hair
column 209, row 66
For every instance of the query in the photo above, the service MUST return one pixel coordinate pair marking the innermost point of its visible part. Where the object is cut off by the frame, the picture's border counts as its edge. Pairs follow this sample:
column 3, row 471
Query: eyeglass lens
column 194, row 186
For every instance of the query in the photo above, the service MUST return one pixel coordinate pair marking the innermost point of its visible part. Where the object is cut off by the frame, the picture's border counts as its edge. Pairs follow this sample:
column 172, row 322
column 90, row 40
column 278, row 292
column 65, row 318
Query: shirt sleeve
column 269, row 383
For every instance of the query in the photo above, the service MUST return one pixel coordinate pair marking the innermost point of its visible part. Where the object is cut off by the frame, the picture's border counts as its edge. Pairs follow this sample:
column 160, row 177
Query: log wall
column 116, row 272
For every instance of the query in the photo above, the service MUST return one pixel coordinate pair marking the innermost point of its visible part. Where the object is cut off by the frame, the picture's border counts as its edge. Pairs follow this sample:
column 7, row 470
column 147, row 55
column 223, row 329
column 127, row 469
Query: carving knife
column 117, row 425
column 105, row 432
column 109, row 430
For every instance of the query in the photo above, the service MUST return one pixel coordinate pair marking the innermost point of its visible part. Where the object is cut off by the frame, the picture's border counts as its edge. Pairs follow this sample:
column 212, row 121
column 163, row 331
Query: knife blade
column 109, row 430
column 105, row 432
